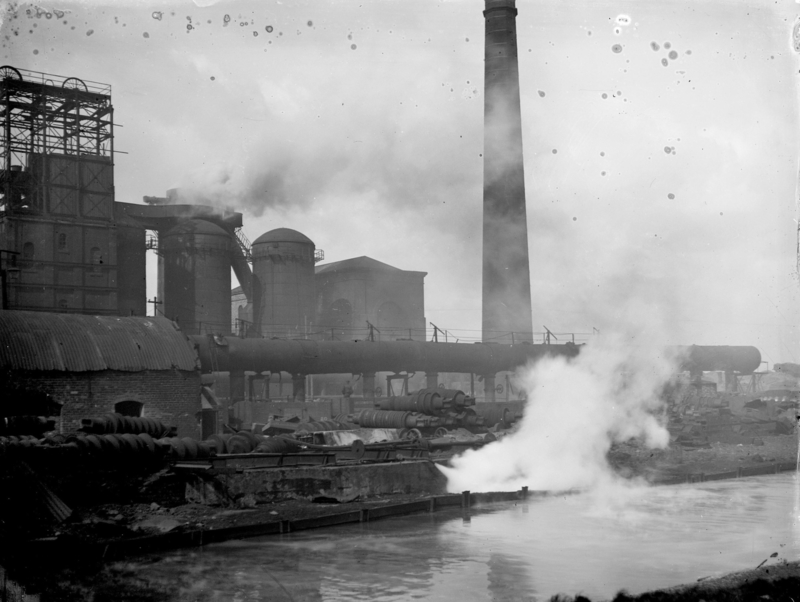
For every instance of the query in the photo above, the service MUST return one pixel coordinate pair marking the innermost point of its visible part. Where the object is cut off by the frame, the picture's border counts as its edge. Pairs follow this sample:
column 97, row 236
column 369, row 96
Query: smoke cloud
column 576, row 410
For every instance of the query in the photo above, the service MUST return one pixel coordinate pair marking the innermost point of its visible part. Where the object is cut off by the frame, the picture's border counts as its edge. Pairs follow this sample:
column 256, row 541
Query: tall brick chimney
column 506, row 271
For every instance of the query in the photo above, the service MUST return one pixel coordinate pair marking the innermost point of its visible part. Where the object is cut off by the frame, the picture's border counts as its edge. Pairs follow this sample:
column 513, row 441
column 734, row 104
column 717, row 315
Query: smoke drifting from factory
column 576, row 410
column 300, row 155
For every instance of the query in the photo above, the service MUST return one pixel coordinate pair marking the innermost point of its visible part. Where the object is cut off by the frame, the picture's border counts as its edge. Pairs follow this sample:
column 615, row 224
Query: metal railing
column 64, row 81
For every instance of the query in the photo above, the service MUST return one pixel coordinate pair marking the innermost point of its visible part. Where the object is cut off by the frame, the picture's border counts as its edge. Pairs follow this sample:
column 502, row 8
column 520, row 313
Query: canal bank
column 636, row 539
column 176, row 508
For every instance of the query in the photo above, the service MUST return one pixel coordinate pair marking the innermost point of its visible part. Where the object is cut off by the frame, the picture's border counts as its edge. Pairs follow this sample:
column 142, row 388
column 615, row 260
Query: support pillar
column 299, row 387
column 431, row 380
column 267, row 378
column 368, row 385
column 488, row 388
column 730, row 382
column 250, row 394
column 237, row 386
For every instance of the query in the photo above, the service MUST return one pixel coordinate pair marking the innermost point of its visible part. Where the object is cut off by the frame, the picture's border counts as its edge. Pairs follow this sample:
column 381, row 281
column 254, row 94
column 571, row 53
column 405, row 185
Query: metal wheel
column 412, row 435
column 9, row 72
column 358, row 449
column 73, row 83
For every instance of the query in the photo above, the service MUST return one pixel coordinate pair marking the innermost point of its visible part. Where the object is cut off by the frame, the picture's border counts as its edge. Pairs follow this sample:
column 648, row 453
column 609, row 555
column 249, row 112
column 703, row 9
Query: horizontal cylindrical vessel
column 703, row 358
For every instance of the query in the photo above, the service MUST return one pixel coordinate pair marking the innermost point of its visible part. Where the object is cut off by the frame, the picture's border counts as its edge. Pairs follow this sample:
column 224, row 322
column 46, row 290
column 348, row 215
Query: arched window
column 62, row 241
column 129, row 408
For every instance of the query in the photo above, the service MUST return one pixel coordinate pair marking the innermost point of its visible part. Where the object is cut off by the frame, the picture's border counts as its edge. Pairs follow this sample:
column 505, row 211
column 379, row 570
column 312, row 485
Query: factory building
column 93, row 365
column 355, row 293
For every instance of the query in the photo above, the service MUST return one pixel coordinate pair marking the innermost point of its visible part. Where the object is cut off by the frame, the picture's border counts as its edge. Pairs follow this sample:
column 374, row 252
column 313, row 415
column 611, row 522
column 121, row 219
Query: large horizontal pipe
column 221, row 354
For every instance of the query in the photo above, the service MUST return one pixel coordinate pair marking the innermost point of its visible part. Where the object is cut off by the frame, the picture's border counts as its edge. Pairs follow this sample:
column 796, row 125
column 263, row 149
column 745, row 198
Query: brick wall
column 171, row 396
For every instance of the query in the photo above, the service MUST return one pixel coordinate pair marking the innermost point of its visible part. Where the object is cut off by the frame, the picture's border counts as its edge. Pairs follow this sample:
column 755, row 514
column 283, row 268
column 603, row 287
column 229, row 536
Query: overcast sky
column 660, row 142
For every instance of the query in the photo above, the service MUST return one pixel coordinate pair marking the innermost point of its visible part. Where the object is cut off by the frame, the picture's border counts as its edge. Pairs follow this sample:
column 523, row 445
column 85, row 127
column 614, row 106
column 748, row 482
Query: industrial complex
column 248, row 394
column 69, row 250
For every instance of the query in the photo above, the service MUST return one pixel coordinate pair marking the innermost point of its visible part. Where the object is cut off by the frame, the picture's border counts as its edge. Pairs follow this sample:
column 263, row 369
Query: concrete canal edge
column 115, row 549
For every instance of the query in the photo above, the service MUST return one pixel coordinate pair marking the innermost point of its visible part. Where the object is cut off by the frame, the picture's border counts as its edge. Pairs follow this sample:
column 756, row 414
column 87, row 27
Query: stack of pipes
column 427, row 408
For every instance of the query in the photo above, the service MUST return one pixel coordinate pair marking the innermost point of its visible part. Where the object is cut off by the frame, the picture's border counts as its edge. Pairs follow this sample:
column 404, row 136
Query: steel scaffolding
column 45, row 117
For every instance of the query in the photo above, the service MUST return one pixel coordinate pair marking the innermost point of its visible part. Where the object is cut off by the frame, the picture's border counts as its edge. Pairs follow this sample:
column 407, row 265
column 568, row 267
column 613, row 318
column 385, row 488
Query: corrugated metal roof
column 31, row 340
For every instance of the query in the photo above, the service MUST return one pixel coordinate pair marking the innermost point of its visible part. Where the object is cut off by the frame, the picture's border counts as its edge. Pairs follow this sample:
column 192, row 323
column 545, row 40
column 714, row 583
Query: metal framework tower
column 57, row 194
column 506, row 271
column 43, row 115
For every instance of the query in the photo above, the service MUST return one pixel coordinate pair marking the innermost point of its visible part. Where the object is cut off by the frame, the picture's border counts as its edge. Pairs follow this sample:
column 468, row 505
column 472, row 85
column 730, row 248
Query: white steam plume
column 576, row 409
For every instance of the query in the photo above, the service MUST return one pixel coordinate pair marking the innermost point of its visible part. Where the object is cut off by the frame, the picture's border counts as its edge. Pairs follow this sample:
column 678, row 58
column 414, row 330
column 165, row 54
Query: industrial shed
column 92, row 365
column 355, row 291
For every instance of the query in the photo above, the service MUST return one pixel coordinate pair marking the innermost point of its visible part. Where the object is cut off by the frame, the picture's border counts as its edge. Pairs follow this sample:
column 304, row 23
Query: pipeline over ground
column 225, row 354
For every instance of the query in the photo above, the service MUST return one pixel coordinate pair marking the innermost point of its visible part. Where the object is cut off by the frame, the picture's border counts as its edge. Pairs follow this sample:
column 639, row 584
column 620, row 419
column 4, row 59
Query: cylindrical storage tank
column 283, row 283
column 194, row 277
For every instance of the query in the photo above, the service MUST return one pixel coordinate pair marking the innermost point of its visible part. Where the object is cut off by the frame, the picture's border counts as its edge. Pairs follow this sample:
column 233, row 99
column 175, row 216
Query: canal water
column 591, row 543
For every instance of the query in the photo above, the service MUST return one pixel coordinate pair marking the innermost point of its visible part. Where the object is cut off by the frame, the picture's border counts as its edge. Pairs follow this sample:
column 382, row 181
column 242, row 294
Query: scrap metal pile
column 406, row 426
column 414, row 425
column 698, row 417
column 111, row 439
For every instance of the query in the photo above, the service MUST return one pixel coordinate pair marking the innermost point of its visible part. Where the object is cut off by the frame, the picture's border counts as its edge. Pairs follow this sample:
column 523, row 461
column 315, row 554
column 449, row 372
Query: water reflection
column 636, row 539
